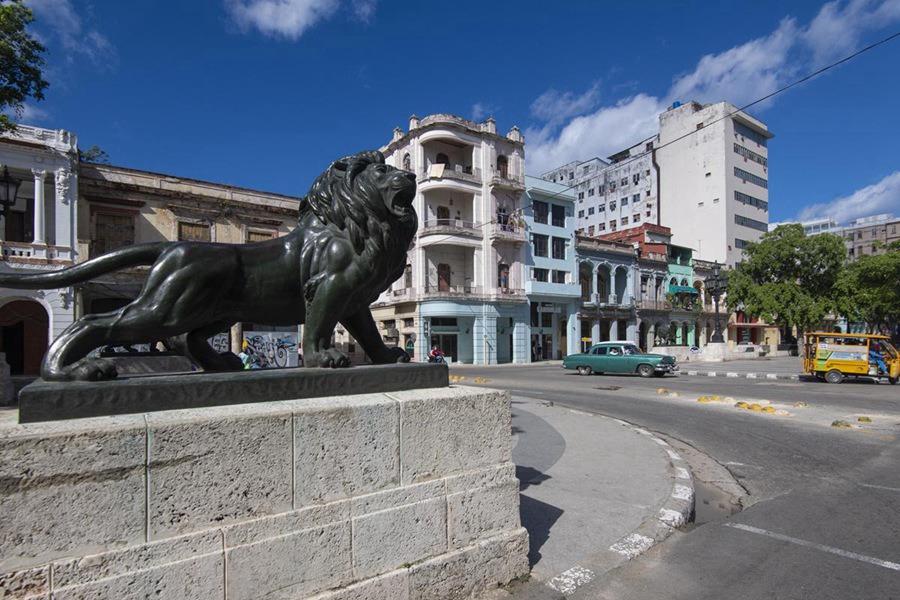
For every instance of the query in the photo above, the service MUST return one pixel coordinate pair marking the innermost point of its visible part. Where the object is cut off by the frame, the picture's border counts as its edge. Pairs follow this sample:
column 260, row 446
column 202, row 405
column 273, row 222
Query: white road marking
column 880, row 487
column 730, row 374
column 568, row 581
column 672, row 518
column 682, row 473
column 660, row 442
column 751, row 375
column 845, row 553
column 673, row 455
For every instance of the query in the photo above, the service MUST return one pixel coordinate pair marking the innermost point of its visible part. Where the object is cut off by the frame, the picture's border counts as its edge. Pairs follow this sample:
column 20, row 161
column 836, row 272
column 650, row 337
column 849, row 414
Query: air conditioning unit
column 458, row 168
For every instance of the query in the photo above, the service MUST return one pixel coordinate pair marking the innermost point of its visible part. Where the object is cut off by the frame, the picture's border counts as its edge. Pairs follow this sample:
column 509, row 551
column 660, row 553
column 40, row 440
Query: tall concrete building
column 704, row 175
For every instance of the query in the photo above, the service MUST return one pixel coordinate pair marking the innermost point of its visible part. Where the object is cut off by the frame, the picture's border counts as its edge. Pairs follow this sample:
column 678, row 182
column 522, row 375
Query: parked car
column 620, row 357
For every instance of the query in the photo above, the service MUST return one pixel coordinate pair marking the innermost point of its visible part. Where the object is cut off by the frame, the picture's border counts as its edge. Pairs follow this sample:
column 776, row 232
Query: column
column 614, row 329
column 39, row 217
column 595, row 331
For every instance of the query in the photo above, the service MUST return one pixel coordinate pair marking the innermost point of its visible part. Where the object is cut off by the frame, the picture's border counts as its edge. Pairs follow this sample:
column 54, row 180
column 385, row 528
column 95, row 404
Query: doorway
column 24, row 327
column 444, row 277
column 446, row 343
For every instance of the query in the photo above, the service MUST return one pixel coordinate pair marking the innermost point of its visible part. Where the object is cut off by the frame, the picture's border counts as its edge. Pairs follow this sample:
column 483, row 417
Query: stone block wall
column 399, row 495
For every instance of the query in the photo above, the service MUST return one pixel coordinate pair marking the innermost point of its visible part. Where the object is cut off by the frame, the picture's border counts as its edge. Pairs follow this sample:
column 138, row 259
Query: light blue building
column 551, row 282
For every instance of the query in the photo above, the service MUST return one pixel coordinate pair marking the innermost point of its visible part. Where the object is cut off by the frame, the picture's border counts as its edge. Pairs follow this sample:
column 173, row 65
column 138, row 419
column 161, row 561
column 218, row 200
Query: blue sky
column 265, row 93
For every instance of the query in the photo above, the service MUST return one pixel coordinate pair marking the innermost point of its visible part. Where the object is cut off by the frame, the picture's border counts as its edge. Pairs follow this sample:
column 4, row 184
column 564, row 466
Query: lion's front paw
column 329, row 358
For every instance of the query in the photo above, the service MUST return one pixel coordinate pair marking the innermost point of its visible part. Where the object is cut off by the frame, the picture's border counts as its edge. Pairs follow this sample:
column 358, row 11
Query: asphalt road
column 820, row 514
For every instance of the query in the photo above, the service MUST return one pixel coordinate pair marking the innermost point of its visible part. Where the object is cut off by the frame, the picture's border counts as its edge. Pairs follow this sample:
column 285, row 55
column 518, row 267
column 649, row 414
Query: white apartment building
column 704, row 175
column 37, row 234
column 464, row 288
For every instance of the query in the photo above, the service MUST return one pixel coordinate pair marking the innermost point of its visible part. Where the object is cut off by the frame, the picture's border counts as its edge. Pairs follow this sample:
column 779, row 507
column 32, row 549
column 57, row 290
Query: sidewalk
column 596, row 492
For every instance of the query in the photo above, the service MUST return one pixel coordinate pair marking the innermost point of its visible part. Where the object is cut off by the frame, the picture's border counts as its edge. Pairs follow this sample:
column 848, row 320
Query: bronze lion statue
column 350, row 244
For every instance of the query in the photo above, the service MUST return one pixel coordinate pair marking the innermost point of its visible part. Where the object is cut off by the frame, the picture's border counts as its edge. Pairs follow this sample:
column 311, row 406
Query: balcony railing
column 654, row 305
column 452, row 291
column 511, row 232
column 451, row 226
column 452, row 171
column 24, row 251
column 508, row 180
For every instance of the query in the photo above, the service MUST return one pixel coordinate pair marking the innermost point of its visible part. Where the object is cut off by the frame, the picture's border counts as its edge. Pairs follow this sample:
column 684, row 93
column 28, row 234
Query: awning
column 682, row 289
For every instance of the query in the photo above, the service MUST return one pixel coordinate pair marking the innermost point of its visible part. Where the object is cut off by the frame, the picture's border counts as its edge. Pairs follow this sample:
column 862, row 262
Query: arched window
column 407, row 163
column 503, row 165
column 442, row 159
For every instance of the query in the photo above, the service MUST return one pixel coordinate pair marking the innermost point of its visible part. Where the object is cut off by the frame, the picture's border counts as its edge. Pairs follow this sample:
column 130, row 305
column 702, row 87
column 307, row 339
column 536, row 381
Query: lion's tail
column 143, row 254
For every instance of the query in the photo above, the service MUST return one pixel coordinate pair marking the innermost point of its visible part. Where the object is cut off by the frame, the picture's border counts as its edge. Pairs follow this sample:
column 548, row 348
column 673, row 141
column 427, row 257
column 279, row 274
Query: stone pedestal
column 401, row 495
column 714, row 352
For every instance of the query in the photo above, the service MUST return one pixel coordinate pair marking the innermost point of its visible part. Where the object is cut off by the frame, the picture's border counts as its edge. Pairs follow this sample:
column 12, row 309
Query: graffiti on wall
column 270, row 349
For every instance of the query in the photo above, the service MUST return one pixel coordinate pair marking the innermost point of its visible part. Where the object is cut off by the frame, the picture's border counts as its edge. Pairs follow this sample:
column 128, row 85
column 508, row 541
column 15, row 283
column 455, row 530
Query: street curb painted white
column 790, row 376
column 674, row 512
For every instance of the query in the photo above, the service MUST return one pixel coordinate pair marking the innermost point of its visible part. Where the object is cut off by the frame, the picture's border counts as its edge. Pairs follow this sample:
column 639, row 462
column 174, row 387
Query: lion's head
column 363, row 195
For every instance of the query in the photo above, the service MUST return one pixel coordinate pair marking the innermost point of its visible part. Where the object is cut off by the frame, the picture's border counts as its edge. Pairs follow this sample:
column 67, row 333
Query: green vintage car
column 620, row 357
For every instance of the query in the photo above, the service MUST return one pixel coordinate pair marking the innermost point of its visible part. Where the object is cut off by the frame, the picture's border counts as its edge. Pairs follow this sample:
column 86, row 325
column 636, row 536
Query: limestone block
column 398, row 527
column 344, row 446
column 471, row 571
column 312, row 517
column 293, row 565
column 448, row 431
column 28, row 583
column 391, row 586
column 482, row 511
column 119, row 563
column 56, row 478
column 200, row 578
column 214, row 466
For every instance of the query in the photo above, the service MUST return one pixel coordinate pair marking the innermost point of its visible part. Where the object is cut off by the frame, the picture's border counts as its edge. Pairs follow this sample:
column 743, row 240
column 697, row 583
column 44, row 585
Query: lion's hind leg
column 195, row 346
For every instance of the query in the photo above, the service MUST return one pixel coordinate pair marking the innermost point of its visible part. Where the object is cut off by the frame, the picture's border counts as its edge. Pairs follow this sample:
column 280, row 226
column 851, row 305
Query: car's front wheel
column 645, row 370
column 584, row 370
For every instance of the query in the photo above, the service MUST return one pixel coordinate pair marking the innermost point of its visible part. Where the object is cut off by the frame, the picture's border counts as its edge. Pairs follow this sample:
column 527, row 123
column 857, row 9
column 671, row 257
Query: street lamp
column 716, row 285
column 9, row 187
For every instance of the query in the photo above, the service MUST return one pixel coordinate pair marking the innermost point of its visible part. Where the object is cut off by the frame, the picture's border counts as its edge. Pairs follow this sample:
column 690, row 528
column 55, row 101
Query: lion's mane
column 345, row 196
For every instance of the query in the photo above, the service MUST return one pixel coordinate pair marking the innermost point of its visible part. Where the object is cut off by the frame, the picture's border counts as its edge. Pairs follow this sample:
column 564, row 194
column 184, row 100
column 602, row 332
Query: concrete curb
column 790, row 376
column 674, row 512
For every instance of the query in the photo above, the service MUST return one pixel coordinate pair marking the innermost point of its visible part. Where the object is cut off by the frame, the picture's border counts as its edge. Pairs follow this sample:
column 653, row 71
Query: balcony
column 24, row 252
column 510, row 233
column 451, row 227
column 457, row 172
column 508, row 181
column 660, row 305
column 468, row 292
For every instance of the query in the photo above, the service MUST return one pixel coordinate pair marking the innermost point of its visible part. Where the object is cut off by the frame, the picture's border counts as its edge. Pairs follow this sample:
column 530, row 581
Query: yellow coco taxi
column 833, row 356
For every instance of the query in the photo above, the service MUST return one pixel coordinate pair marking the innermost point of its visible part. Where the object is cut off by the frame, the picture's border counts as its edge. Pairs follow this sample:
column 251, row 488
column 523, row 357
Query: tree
column 20, row 62
column 870, row 288
column 789, row 278
column 94, row 154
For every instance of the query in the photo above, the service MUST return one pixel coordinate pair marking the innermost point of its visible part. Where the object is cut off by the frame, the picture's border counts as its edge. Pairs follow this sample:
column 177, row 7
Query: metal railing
column 451, row 226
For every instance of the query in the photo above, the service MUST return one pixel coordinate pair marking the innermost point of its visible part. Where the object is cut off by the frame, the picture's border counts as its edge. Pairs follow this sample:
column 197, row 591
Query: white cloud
column 740, row 75
column 743, row 73
column 553, row 105
column 288, row 18
column 482, row 110
column 364, row 10
column 32, row 115
column 836, row 29
column 76, row 38
column 881, row 197
column 601, row 133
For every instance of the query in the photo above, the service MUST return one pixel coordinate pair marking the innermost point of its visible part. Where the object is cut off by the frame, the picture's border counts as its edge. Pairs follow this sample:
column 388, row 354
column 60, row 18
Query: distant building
column 862, row 236
column 704, row 175
column 464, row 286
